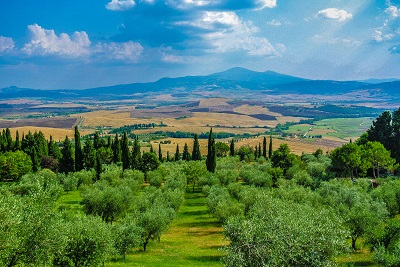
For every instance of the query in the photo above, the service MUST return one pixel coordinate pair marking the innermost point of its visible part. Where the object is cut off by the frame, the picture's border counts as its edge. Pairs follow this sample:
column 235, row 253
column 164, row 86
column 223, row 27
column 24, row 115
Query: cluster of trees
column 118, row 215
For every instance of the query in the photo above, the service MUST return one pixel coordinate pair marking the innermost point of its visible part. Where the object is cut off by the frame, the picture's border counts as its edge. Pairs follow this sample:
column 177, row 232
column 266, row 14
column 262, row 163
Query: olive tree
column 281, row 233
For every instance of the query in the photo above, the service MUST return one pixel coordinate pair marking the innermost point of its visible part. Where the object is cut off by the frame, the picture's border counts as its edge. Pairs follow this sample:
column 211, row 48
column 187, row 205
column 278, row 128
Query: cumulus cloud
column 127, row 51
column 335, row 14
column 120, row 5
column 393, row 11
column 6, row 44
column 46, row 42
column 228, row 33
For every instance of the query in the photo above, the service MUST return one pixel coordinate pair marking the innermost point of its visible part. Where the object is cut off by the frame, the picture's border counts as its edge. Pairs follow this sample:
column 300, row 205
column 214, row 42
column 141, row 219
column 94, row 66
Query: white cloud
column 275, row 23
column 6, row 44
column 120, row 5
column 266, row 3
column 230, row 34
column 128, row 51
column 379, row 36
column 46, row 42
column 393, row 11
column 335, row 14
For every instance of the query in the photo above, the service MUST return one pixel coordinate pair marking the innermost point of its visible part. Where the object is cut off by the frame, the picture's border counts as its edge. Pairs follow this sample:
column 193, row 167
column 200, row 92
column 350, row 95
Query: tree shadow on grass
column 194, row 213
column 205, row 258
column 202, row 224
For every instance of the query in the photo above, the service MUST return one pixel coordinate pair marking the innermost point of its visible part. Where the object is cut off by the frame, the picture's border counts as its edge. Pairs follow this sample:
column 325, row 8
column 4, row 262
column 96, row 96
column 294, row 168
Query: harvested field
column 56, row 122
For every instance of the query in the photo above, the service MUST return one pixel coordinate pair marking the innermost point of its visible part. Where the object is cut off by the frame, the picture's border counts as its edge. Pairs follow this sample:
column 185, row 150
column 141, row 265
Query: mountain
column 232, row 79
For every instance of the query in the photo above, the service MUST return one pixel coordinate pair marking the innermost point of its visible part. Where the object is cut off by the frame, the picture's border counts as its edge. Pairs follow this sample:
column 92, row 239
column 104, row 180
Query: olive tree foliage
column 282, row 233
column 89, row 242
column 252, row 175
column 107, row 201
column 361, row 214
column 127, row 235
column 221, row 205
column 153, row 215
column 29, row 232
column 37, row 183
column 389, row 193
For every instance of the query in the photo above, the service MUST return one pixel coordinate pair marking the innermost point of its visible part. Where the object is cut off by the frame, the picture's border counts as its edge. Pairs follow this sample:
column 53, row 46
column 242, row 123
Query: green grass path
column 193, row 239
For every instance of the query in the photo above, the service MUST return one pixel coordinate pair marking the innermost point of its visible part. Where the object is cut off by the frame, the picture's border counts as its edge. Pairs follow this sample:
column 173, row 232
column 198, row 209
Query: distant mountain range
column 232, row 79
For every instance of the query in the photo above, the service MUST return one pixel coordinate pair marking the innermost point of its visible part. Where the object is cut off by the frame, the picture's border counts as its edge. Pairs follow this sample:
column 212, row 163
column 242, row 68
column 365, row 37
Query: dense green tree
column 13, row 165
column 221, row 149
column 177, row 154
column 194, row 170
column 8, row 140
column 149, row 162
column 35, row 160
column 125, row 152
column 346, row 159
column 67, row 161
column 196, row 155
column 185, row 154
column 282, row 158
column 381, row 130
column 89, row 154
column 78, row 150
column 40, row 144
column 376, row 156
column 211, row 161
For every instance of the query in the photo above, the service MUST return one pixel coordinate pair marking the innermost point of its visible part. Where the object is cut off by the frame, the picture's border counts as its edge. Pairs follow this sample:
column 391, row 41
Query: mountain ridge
column 232, row 79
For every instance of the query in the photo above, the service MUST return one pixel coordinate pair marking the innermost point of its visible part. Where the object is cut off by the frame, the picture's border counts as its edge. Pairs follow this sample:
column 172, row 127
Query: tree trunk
column 373, row 171
column 353, row 242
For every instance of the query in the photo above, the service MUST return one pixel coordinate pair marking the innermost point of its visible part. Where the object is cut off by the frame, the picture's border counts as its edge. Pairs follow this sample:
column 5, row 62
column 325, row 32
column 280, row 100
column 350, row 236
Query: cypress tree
column 185, row 154
column 109, row 142
column 116, row 148
column 17, row 143
column 259, row 150
column 232, row 148
column 196, row 155
column 67, row 161
column 160, row 158
column 136, row 155
column 177, row 154
column 211, row 161
column 54, row 150
column 40, row 144
column 8, row 139
column 125, row 152
column 99, row 167
column 35, row 160
column 89, row 154
column 168, row 157
column 78, row 150
column 270, row 147
column 255, row 152
column 264, row 151
column 96, row 141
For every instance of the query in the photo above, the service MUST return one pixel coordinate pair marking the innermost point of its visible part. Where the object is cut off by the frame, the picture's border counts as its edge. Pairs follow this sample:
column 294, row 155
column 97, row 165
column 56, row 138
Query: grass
column 193, row 239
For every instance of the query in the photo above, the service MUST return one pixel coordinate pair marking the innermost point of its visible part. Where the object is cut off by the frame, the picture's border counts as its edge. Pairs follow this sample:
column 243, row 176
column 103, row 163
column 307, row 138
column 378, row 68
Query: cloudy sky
column 85, row 43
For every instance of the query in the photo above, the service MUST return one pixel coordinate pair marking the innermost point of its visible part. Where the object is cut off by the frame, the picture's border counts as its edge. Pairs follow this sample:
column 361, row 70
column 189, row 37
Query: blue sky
column 84, row 43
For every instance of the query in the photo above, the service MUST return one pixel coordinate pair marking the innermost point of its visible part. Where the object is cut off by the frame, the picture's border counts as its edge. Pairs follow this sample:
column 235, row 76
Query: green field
column 194, row 238
column 344, row 128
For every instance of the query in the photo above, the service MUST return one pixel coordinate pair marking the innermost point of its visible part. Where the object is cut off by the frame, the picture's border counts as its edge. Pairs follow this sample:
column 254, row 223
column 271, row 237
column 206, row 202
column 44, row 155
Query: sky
column 74, row 44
